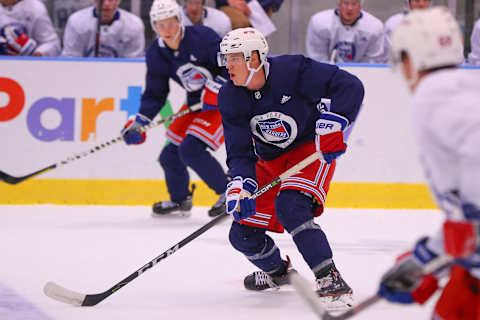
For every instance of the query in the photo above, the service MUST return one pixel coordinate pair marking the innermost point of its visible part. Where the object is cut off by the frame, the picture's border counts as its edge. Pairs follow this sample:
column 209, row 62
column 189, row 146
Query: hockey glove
column 462, row 238
column 405, row 283
column 329, row 135
column 19, row 42
column 239, row 203
column 210, row 93
column 131, row 132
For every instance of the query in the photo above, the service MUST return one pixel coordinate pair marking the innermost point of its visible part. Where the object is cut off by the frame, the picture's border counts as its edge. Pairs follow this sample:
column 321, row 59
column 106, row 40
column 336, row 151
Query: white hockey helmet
column 244, row 40
column 431, row 38
column 164, row 9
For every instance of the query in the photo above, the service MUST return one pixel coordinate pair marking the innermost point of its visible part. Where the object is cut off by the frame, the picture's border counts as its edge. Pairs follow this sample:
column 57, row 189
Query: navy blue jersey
column 280, row 116
column 190, row 66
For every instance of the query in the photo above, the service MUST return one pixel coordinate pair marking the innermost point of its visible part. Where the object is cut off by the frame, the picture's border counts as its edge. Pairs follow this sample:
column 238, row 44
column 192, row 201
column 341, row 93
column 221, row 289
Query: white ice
column 91, row 248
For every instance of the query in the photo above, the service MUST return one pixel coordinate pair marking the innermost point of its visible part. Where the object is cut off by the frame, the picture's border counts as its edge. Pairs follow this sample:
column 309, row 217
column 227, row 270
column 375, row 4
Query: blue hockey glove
column 405, row 282
column 329, row 135
column 239, row 203
column 131, row 131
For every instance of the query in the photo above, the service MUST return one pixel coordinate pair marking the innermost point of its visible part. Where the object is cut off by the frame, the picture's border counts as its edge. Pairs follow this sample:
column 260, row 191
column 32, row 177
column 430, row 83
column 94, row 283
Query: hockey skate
column 333, row 291
column 164, row 208
column 261, row 280
column 219, row 207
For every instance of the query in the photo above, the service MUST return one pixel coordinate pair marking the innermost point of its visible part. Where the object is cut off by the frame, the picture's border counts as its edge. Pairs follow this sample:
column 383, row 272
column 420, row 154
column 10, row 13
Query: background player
column 270, row 118
column 187, row 55
column 26, row 29
column 427, row 47
column 121, row 32
column 345, row 34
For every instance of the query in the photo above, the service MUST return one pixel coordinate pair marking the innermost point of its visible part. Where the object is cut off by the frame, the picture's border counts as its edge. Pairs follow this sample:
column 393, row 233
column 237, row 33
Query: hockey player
column 345, row 34
column 121, row 33
column 62, row 9
column 394, row 20
column 196, row 13
column 474, row 56
column 427, row 48
column 187, row 55
column 26, row 29
column 271, row 122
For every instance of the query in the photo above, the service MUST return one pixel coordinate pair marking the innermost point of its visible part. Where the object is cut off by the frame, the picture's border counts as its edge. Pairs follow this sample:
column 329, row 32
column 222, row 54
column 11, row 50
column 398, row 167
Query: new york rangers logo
column 274, row 128
column 346, row 51
column 193, row 77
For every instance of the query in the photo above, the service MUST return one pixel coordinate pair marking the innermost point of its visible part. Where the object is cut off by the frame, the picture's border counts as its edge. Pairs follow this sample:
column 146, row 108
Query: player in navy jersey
column 276, row 111
column 187, row 55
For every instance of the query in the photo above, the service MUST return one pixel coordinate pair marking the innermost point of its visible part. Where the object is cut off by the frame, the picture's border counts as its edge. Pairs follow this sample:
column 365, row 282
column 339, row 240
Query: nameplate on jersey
column 193, row 77
column 274, row 128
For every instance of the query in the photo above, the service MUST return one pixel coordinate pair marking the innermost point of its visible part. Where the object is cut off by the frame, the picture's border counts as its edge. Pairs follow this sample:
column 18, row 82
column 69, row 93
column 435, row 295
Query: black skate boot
column 261, row 280
column 219, row 207
column 334, row 292
column 163, row 208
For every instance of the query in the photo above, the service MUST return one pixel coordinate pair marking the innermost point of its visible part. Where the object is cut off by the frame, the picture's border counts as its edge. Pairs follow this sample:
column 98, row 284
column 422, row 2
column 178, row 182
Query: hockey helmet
column 431, row 38
column 164, row 9
column 244, row 40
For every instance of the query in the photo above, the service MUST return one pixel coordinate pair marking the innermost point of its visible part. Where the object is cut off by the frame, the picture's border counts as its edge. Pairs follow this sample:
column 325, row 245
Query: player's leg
column 260, row 249
column 176, row 174
column 204, row 131
column 302, row 196
column 177, row 180
column 460, row 298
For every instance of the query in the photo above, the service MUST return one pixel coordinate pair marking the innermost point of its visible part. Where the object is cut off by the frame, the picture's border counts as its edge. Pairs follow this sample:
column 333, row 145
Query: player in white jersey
column 474, row 56
column 427, row 48
column 26, row 29
column 394, row 20
column 62, row 9
column 195, row 13
column 345, row 34
column 121, row 35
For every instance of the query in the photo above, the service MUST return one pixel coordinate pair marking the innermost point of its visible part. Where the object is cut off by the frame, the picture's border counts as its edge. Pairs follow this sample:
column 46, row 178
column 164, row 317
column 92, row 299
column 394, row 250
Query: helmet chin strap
column 179, row 32
column 252, row 72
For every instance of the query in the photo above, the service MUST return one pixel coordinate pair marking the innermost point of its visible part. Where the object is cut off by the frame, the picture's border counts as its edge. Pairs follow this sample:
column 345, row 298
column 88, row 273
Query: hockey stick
column 303, row 288
column 65, row 295
column 99, row 24
column 14, row 180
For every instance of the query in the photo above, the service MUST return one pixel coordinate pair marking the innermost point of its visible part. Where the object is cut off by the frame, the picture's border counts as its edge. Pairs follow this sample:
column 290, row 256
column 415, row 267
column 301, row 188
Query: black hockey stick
column 99, row 24
column 65, row 295
column 303, row 287
column 14, row 180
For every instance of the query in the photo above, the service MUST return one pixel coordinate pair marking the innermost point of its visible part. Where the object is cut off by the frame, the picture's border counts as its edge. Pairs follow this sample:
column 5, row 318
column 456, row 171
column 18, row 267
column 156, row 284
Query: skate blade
column 172, row 215
column 343, row 302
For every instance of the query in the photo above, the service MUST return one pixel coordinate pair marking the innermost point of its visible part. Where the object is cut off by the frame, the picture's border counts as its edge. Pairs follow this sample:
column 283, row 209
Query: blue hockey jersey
column 282, row 115
column 190, row 66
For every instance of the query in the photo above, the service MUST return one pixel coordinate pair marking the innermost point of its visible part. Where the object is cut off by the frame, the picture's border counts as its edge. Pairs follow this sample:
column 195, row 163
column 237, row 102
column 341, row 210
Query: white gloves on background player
column 18, row 42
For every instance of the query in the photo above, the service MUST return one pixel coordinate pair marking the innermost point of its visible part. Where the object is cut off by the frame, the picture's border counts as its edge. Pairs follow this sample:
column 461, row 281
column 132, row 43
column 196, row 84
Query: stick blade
column 62, row 294
column 304, row 289
column 5, row 177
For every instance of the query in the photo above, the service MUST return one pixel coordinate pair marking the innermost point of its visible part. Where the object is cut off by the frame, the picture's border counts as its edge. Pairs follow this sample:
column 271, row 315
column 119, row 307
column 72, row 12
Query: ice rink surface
column 90, row 248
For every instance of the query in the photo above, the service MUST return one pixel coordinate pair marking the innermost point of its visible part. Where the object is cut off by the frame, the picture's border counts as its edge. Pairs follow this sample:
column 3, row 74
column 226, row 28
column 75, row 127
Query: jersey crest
column 345, row 51
column 274, row 128
column 193, row 77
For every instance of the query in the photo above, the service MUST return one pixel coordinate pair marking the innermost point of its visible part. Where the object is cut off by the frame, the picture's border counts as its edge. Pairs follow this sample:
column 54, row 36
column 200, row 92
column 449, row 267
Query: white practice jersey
column 212, row 18
column 446, row 121
column 123, row 38
column 474, row 56
column 62, row 9
column 328, row 37
column 31, row 17
column 389, row 26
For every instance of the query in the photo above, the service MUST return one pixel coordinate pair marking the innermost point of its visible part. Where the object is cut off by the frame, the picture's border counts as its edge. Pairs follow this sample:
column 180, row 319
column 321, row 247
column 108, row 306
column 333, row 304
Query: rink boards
column 52, row 109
